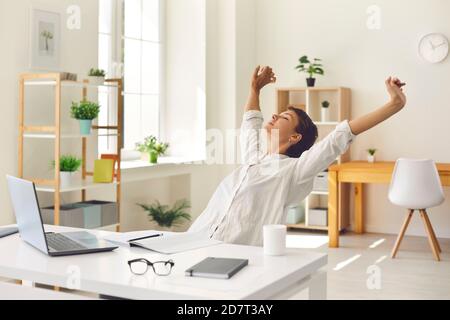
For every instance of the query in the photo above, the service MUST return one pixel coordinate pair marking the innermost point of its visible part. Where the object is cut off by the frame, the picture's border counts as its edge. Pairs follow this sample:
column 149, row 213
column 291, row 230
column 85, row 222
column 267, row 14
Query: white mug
column 274, row 239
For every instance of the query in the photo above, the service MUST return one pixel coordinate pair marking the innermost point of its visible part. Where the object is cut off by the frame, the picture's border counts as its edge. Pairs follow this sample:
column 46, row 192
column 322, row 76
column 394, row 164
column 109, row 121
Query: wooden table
column 358, row 173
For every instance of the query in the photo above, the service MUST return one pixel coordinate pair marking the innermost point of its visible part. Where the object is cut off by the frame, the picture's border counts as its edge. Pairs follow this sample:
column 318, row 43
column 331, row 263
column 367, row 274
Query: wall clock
column 434, row 47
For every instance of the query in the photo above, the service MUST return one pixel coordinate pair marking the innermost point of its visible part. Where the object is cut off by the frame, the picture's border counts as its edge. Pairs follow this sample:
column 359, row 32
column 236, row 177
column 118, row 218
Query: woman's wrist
column 253, row 100
column 395, row 104
column 255, row 90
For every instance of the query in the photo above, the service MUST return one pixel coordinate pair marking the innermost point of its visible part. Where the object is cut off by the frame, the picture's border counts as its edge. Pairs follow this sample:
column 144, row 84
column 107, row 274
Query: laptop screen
column 26, row 208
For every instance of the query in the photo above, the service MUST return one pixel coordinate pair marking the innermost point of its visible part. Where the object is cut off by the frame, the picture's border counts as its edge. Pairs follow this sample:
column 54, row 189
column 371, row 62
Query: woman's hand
column 262, row 77
column 394, row 87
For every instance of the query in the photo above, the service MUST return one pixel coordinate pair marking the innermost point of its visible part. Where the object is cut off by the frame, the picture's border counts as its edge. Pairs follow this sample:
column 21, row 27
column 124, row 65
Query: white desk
column 108, row 273
column 10, row 291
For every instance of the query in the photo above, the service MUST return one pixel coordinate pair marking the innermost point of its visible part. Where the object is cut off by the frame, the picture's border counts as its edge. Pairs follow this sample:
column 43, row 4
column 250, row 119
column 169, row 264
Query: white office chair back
column 415, row 184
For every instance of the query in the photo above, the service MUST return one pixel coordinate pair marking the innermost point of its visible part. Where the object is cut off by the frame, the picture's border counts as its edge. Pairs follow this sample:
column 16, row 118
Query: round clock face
column 434, row 47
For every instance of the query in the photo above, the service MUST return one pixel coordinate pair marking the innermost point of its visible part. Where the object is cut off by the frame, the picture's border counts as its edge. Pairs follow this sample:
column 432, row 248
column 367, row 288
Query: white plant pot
column 96, row 80
column 325, row 114
column 370, row 159
column 67, row 179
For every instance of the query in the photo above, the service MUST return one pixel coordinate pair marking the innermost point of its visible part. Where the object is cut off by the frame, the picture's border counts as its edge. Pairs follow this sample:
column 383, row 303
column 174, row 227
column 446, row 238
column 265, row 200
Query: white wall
column 361, row 59
column 78, row 54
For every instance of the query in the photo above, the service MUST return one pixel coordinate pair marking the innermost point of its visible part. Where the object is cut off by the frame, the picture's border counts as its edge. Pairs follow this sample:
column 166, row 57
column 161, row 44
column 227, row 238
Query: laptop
column 31, row 228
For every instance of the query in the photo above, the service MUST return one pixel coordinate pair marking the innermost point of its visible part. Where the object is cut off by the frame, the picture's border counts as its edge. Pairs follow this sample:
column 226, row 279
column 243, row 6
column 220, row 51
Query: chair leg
column 402, row 233
column 429, row 229
column 432, row 232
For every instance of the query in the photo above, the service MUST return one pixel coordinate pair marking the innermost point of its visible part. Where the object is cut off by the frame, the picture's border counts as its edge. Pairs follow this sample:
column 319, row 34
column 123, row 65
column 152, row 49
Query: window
column 130, row 35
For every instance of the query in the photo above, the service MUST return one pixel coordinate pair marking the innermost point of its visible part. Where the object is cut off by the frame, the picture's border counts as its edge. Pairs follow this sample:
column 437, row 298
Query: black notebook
column 220, row 268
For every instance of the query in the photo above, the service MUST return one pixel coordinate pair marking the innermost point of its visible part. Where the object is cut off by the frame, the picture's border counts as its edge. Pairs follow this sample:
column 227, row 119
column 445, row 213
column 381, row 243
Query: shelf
column 320, row 193
column 311, row 99
column 77, row 186
column 325, row 89
column 304, row 226
column 65, row 136
column 56, row 131
column 66, row 83
column 293, row 89
column 112, row 228
column 135, row 164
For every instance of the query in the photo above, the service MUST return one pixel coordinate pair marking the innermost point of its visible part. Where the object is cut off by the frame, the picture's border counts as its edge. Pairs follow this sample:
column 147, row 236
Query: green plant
column 47, row 35
column 165, row 216
column 309, row 67
column 325, row 104
column 371, row 151
column 68, row 163
column 151, row 144
column 97, row 72
column 85, row 110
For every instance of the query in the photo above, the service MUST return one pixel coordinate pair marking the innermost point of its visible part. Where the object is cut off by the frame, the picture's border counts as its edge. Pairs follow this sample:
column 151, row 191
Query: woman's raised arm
column 396, row 103
column 323, row 153
column 260, row 78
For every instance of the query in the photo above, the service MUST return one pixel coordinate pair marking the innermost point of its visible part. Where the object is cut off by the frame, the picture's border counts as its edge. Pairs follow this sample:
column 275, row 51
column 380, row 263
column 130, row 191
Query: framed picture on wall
column 45, row 40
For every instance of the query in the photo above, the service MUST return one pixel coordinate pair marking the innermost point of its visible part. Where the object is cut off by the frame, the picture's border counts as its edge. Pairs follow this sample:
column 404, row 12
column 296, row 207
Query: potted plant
column 325, row 111
column 85, row 111
column 96, row 76
column 371, row 155
column 311, row 68
column 153, row 148
column 47, row 35
column 68, row 166
column 165, row 216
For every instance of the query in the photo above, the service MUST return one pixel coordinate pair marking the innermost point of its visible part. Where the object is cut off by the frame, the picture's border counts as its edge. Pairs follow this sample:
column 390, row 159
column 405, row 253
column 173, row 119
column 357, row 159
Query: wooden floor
column 414, row 274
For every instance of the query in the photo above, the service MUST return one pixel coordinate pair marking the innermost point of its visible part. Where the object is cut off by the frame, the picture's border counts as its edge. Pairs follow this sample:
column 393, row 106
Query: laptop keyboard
column 60, row 242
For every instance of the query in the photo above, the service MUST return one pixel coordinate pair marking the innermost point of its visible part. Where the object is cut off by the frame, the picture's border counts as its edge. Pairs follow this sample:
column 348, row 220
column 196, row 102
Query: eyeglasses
column 161, row 268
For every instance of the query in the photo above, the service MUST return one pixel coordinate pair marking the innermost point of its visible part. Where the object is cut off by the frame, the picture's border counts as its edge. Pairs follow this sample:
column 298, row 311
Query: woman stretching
column 255, row 194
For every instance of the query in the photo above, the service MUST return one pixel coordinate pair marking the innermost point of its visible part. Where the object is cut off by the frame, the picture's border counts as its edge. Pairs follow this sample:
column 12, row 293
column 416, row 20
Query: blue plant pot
column 85, row 127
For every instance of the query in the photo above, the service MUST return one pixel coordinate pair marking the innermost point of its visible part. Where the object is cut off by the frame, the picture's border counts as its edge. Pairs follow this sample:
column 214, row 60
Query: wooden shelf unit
column 309, row 100
column 54, row 132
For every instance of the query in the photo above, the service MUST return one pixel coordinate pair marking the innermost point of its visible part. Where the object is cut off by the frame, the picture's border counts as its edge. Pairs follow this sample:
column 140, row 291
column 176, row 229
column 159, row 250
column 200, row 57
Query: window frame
column 117, row 57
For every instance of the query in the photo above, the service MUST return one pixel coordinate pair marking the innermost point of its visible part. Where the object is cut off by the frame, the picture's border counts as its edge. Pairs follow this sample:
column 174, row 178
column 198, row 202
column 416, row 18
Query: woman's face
column 286, row 124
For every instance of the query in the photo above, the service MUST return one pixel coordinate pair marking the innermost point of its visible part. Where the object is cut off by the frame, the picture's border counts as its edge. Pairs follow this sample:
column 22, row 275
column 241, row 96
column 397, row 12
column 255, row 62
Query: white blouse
column 258, row 192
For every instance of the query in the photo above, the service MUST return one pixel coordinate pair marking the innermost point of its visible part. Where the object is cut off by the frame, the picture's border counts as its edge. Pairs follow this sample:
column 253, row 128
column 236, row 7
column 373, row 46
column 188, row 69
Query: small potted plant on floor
column 371, row 155
column 153, row 148
column 96, row 76
column 311, row 68
column 165, row 216
column 325, row 111
column 85, row 111
column 68, row 166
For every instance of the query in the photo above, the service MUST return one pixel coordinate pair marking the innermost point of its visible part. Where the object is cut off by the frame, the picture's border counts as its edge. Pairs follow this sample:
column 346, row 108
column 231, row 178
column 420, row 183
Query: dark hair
column 307, row 129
